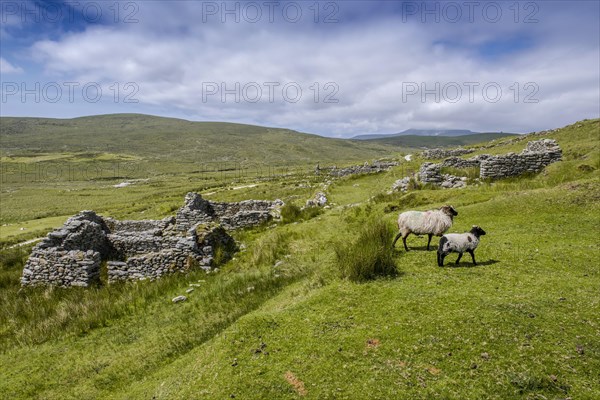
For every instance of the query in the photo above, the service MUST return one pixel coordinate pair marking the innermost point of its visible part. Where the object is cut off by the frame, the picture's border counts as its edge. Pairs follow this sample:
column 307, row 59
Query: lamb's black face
column 477, row 231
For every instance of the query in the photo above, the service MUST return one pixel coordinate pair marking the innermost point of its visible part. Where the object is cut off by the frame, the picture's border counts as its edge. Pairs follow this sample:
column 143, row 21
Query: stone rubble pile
column 401, row 184
column 319, row 200
column 453, row 182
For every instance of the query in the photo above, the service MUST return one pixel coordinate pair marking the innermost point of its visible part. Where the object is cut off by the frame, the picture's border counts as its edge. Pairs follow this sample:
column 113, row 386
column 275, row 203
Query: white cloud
column 371, row 61
column 8, row 68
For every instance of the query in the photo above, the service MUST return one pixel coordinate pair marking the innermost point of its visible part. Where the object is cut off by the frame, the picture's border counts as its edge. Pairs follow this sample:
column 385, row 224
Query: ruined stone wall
column 366, row 168
column 147, row 249
column 230, row 215
column 456, row 162
column 71, row 255
column 534, row 158
column 195, row 250
column 150, row 266
column 434, row 154
column 62, row 268
column 430, row 173
column 513, row 164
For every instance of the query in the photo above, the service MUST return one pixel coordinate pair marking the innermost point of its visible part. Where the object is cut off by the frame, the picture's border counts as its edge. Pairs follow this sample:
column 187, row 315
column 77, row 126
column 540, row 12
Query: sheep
column 432, row 222
column 459, row 243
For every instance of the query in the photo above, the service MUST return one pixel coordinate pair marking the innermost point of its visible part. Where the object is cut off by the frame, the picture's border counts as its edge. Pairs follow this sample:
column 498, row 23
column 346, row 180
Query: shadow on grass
column 400, row 248
column 470, row 264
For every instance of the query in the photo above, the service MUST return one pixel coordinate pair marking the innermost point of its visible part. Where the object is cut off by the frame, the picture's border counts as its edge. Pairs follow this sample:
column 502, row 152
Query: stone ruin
column 133, row 250
column 434, row 154
column 534, row 158
column 366, row 168
column 229, row 215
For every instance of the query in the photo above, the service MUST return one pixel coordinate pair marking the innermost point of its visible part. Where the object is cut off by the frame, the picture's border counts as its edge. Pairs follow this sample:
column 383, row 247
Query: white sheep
column 459, row 243
column 432, row 222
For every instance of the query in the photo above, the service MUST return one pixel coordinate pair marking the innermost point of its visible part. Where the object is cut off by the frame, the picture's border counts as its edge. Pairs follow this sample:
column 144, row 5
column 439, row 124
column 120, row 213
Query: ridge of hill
column 170, row 138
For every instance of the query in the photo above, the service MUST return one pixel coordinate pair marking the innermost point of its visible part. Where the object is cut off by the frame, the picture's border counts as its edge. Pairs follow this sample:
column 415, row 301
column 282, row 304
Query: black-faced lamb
column 432, row 222
column 459, row 243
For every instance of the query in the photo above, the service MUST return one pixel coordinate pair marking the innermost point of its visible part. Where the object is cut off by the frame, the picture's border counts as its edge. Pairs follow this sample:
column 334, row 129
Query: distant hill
column 414, row 141
column 173, row 139
column 419, row 132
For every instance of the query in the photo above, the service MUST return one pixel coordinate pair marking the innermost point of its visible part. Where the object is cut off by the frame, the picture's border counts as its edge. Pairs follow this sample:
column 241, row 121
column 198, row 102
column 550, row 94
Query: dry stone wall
column 534, row 158
column 435, row 154
column 62, row 268
column 430, row 173
column 366, row 168
column 73, row 254
column 457, row 162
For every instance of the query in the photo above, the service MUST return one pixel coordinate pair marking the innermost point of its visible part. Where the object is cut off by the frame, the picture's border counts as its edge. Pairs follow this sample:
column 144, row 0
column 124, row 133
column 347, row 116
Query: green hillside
column 279, row 322
column 415, row 141
column 172, row 139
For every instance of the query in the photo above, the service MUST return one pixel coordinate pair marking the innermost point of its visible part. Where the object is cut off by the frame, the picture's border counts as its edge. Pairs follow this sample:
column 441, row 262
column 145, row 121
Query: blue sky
column 336, row 68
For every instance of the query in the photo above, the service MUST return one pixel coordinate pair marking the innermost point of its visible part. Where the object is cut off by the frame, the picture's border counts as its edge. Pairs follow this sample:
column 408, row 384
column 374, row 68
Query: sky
column 334, row 68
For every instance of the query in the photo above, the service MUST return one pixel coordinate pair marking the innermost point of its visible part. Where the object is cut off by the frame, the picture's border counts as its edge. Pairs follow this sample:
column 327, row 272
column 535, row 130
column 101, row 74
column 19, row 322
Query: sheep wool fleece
column 460, row 242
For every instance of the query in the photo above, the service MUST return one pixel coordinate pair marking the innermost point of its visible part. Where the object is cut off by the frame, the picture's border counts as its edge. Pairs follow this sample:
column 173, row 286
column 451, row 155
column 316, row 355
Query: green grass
column 292, row 213
column 370, row 255
column 277, row 320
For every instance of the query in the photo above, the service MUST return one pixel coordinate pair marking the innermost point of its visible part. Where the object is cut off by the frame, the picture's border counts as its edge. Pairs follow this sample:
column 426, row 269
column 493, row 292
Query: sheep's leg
column 430, row 235
column 404, row 241
column 458, row 259
column 396, row 239
column 472, row 256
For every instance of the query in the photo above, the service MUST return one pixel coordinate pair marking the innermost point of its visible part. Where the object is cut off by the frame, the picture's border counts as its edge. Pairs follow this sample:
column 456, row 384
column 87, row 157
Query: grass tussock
column 370, row 255
column 270, row 248
column 471, row 173
column 292, row 213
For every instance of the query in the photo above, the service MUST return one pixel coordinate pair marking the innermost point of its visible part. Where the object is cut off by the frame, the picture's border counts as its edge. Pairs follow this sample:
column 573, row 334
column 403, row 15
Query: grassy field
column 279, row 322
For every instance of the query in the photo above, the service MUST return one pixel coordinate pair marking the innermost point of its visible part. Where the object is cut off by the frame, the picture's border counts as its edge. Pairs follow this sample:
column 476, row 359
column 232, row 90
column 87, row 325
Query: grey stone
column 179, row 299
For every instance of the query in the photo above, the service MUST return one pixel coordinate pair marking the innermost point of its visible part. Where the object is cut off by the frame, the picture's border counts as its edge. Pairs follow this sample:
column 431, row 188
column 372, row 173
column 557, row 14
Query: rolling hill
column 170, row 139
column 162, row 138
